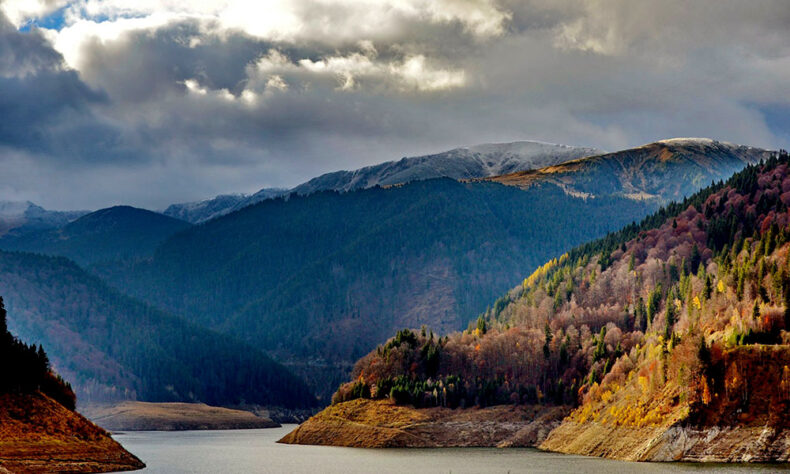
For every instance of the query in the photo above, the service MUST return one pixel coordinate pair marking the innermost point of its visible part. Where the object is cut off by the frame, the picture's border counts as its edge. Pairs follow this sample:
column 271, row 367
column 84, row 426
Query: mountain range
column 317, row 279
column 477, row 161
column 20, row 217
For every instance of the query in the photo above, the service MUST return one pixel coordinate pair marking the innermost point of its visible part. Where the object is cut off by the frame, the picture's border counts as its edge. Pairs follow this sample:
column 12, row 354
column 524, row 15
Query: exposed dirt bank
column 382, row 424
column 38, row 434
column 144, row 416
column 746, row 419
column 677, row 443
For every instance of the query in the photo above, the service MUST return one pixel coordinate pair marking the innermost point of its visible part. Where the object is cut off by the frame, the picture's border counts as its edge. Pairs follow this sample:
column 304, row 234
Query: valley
column 419, row 254
column 394, row 236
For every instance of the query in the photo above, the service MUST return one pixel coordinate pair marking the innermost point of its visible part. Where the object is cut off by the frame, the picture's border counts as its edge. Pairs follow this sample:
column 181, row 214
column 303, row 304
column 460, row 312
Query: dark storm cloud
column 45, row 107
column 169, row 104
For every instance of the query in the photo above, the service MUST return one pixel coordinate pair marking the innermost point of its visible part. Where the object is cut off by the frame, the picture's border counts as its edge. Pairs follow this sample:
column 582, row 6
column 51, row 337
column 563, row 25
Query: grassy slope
column 666, row 171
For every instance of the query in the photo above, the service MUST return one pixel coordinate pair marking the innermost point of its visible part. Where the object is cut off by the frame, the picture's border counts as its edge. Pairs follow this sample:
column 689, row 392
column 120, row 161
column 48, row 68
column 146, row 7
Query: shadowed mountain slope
column 318, row 280
column 120, row 232
column 112, row 347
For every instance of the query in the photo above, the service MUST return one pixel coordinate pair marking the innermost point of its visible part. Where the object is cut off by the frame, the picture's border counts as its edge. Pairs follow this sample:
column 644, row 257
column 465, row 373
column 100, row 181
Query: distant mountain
column 477, row 161
column 663, row 171
column 112, row 347
column 201, row 211
column 19, row 217
column 120, row 232
column 491, row 159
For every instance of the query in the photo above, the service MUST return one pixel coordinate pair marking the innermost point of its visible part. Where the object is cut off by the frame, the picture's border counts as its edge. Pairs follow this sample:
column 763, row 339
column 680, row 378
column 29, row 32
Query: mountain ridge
column 458, row 163
column 21, row 217
column 703, row 157
column 112, row 233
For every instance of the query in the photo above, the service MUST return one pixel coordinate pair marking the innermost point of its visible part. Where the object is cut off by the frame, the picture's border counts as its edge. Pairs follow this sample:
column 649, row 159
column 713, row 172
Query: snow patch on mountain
column 477, row 161
column 19, row 217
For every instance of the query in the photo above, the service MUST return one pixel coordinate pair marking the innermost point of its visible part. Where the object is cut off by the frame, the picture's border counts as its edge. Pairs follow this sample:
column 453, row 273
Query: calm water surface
column 256, row 451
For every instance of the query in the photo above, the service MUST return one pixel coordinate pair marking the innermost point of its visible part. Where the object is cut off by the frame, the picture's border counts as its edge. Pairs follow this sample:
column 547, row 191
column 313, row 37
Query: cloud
column 45, row 106
column 18, row 12
column 158, row 101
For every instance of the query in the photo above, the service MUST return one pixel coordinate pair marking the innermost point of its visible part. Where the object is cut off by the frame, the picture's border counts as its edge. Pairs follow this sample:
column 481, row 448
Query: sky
column 152, row 102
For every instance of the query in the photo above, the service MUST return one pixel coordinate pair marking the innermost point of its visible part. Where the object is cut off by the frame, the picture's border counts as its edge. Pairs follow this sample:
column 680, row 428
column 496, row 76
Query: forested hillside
column 113, row 347
column 119, row 232
column 25, row 368
column 679, row 321
column 321, row 279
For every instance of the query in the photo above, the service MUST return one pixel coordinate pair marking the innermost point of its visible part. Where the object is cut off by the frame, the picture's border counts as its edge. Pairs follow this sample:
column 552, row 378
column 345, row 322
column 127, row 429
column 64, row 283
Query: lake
column 256, row 451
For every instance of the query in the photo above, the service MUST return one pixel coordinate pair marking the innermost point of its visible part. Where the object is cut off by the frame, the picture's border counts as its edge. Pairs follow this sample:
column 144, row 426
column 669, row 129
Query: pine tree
column 695, row 259
column 708, row 287
column 481, row 325
column 3, row 315
column 549, row 336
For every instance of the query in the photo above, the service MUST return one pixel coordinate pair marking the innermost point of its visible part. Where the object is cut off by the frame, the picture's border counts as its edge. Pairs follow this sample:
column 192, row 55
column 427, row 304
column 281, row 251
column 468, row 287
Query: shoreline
column 382, row 424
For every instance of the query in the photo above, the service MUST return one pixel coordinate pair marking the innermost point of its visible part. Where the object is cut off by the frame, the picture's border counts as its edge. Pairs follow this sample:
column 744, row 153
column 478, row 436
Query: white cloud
column 305, row 20
column 79, row 33
column 416, row 73
column 19, row 12
column 354, row 71
column 226, row 95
